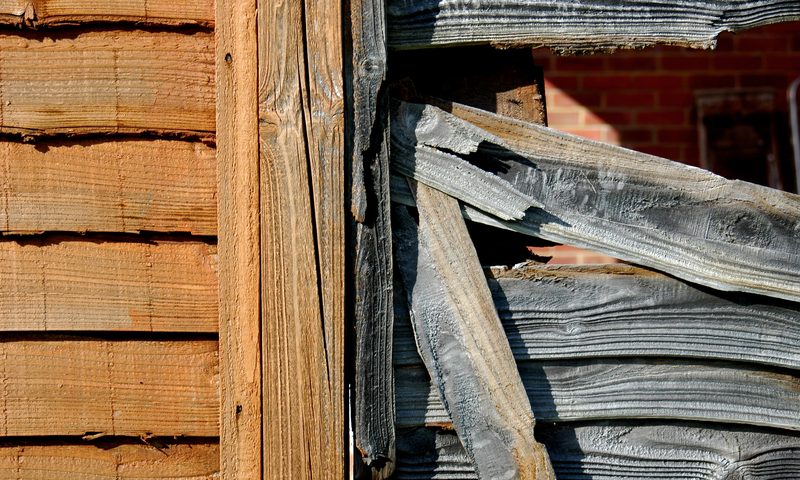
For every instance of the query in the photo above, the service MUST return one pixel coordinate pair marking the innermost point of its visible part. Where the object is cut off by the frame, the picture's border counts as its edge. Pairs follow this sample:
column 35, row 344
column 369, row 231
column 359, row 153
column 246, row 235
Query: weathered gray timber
column 560, row 311
column 574, row 390
column 577, row 25
column 462, row 342
column 688, row 222
column 620, row 451
column 372, row 267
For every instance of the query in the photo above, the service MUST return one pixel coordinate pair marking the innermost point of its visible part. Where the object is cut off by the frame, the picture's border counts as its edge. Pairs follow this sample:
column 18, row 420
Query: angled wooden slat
column 462, row 342
column 173, row 461
column 577, row 390
column 39, row 13
column 239, row 240
column 617, row 451
column 76, row 386
column 114, row 186
column 574, row 25
column 551, row 312
column 726, row 234
column 62, row 283
column 128, row 81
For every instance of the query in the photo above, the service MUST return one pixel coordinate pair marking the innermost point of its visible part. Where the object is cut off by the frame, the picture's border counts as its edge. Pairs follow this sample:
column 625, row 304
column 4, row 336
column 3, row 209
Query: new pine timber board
column 301, row 132
column 66, row 386
column 726, row 234
column 40, row 13
column 108, row 186
column 239, row 241
column 576, row 25
column 560, row 312
column 171, row 461
column 663, row 451
column 107, row 82
column 71, row 284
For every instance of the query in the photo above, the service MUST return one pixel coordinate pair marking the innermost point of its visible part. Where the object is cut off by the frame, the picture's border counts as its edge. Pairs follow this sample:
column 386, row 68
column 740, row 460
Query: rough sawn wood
column 40, row 13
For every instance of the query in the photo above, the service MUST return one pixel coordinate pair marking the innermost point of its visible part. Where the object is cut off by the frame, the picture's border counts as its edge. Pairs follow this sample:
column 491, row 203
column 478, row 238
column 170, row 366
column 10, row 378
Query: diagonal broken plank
column 462, row 342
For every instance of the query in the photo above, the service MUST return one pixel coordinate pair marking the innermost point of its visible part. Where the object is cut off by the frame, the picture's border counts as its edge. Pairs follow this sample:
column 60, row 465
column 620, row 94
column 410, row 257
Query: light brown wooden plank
column 302, row 223
column 462, row 343
column 181, row 461
column 114, row 186
column 107, row 82
column 68, row 284
column 36, row 13
column 74, row 386
column 239, row 243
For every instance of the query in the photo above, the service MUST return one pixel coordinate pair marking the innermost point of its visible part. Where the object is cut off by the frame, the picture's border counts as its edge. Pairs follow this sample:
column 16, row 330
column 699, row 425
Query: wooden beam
column 239, row 239
column 107, row 82
column 579, row 390
column 561, row 311
column 726, row 234
column 69, row 284
column 48, row 13
column 577, row 25
column 109, row 461
column 78, row 386
column 624, row 450
column 462, row 342
column 301, row 114
column 112, row 186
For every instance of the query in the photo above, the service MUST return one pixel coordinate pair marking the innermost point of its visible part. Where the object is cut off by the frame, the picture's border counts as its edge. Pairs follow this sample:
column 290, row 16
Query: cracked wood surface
column 664, row 451
column 577, row 25
column 78, row 386
column 107, row 82
column 67, row 283
column 301, row 132
column 462, row 342
column 108, row 186
column 46, row 13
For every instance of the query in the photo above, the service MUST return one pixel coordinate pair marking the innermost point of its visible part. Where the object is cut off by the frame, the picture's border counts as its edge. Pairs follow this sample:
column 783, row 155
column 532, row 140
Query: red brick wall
column 643, row 99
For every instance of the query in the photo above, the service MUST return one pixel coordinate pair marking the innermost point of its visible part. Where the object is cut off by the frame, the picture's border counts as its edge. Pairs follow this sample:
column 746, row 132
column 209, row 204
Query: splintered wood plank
column 576, row 390
column 239, row 243
column 613, row 451
column 551, row 312
column 462, row 342
column 577, row 25
column 75, row 386
column 301, row 114
column 61, row 283
column 114, row 186
column 40, row 13
column 175, row 461
column 107, row 82
column 726, row 234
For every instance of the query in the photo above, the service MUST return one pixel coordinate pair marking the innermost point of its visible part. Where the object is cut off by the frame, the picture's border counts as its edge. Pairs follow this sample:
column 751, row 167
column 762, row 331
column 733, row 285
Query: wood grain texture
column 107, row 82
column 69, row 284
column 726, row 234
column 302, row 237
column 113, row 186
column 177, row 461
column 575, row 390
column 239, row 239
column 47, row 13
column 574, row 25
column 623, row 451
column 551, row 312
column 462, row 342
column 77, row 386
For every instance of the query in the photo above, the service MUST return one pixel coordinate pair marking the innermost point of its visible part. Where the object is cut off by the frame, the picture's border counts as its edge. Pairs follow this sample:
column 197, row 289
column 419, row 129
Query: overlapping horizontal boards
column 37, row 13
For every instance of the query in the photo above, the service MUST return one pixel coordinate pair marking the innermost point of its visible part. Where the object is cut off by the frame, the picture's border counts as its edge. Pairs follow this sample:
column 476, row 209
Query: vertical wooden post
column 239, row 276
column 301, row 123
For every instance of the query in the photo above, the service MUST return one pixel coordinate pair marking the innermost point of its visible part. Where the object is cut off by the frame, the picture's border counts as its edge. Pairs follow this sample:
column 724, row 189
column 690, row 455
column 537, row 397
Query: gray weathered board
column 726, row 234
column 577, row 25
column 571, row 312
column 618, row 451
